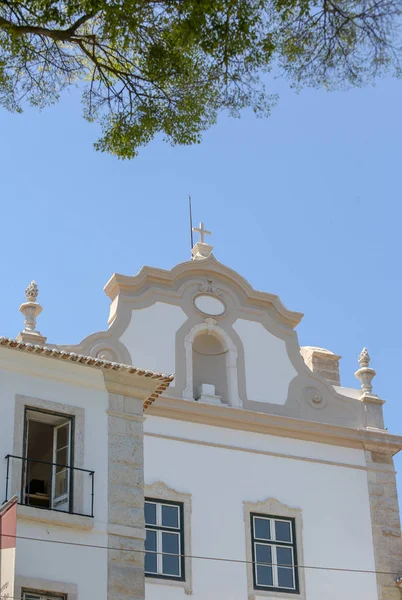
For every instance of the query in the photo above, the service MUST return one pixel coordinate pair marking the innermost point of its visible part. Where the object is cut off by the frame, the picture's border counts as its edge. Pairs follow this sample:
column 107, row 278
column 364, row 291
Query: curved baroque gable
column 156, row 315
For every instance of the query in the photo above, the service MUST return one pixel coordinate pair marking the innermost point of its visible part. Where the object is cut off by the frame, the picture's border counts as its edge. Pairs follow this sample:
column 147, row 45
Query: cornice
column 123, row 284
column 119, row 378
column 245, row 420
column 145, row 389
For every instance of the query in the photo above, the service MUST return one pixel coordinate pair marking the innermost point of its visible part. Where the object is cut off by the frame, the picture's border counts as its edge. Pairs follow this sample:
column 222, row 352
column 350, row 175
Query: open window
column 47, row 460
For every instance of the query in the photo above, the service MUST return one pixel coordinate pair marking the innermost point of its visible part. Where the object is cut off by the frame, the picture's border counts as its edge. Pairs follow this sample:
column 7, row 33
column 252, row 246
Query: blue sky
column 305, row 204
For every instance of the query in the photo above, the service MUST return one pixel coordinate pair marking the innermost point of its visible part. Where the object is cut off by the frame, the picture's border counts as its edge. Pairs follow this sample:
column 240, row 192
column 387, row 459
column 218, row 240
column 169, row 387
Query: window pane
column 62, row 436
column 150, row 513
column 61, row 483
column 284, row 556
column 262, row 529
column 283, row 531
column 171, row 565
column 151, row 563
column 151, row 560
column 285, row 577
column 62, row 458
column 170, row 516
column 263, row 554
column 150, row 540
column 170, row 543
column 264, row 575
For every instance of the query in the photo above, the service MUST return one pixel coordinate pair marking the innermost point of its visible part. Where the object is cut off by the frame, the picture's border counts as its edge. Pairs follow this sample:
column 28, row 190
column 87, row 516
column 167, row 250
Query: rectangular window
column 41, row 596
column 48, row 460
column 164, row 544
column 274, row 553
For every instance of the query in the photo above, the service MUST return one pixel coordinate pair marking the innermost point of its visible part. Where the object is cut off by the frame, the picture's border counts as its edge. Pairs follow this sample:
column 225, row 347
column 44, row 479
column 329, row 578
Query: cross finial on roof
column 203, row 232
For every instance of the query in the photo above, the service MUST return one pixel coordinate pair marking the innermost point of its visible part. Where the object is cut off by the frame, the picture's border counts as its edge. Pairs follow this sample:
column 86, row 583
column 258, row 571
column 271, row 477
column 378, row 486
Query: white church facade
column 250, row 473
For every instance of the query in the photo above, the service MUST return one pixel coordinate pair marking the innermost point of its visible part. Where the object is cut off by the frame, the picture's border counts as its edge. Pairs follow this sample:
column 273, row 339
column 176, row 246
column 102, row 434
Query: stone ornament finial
column 32, row 291
column 31, row 309
column 365, row 374
column 364, row 358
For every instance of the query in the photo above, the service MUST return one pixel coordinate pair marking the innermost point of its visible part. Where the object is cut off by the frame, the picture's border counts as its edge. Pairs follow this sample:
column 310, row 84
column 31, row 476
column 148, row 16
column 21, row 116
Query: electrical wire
column 198, row 557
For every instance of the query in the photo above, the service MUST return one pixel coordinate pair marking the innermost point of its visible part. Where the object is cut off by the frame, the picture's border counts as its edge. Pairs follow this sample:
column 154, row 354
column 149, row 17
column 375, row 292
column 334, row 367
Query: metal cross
column 203, row 232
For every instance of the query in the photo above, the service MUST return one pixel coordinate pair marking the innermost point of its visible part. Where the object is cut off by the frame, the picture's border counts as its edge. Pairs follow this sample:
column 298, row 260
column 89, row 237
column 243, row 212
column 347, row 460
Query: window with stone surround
column 274, row 551
column 32, row 588
column 164, row 539
column 168, row 511
column 33, row 595
column 46, row 462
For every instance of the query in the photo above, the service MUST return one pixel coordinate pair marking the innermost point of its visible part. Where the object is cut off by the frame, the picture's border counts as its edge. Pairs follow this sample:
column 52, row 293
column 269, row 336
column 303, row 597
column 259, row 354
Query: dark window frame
column 180, row 531
column 43, row 594
column 293, row 544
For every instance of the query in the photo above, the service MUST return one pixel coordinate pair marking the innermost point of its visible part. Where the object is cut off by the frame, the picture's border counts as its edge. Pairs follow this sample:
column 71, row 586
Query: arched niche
column 199, row 348
column 209, row 366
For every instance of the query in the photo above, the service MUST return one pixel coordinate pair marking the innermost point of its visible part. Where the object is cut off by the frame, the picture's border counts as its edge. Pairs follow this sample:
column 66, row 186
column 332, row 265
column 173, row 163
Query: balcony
column 50, row 486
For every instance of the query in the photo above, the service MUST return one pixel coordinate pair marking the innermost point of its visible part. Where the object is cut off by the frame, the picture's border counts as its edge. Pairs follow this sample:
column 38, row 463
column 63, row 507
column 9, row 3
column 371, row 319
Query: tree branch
column 58, row 35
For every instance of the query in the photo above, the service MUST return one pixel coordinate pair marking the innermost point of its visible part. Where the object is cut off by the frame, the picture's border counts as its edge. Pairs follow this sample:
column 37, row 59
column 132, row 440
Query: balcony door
column 48, row 460
column 61, row 470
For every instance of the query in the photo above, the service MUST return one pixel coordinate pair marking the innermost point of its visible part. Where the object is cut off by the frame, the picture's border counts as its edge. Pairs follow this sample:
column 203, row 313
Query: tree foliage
column 170, row 66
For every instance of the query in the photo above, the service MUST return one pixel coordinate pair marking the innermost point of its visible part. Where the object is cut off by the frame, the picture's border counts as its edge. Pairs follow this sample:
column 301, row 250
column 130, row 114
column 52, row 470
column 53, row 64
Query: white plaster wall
column 254, row 441
column 334, row 500
column 267, row 363
column 79, row 386
column 151, row 336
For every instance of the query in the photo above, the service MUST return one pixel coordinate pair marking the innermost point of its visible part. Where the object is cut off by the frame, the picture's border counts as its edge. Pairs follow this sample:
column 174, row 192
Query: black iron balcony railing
column 50, row 486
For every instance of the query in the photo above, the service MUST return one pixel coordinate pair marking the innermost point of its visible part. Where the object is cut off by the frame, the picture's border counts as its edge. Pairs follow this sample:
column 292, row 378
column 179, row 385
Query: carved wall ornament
column 207, row 302
column 314, row 397
column 160, row 490
column 103, row 351
column 210, row 324
column 209, row 288
column 106, row 354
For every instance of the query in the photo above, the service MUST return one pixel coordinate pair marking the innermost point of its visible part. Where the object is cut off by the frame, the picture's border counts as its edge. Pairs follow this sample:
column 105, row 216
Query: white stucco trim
column 210, row 327
column 53, row 517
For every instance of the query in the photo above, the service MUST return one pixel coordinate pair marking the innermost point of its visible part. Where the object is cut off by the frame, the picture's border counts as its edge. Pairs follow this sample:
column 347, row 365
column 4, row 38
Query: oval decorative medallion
column 209, row 305
column 314, row 397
